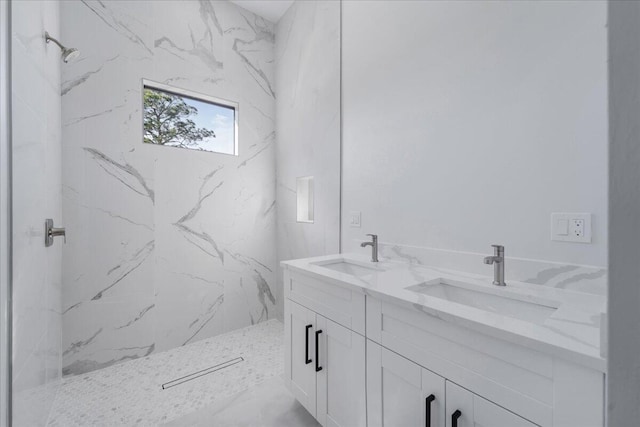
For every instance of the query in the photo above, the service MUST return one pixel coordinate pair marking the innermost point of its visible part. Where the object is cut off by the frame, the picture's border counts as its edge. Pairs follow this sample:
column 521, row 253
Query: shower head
column 68, row 53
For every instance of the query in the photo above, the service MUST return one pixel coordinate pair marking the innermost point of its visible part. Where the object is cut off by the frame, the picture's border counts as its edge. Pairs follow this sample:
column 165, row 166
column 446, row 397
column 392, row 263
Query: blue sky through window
column 218, row 118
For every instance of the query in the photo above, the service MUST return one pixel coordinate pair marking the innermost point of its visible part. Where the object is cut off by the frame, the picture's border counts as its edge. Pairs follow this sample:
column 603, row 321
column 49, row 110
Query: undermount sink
column 348, row 267
column 507, row 304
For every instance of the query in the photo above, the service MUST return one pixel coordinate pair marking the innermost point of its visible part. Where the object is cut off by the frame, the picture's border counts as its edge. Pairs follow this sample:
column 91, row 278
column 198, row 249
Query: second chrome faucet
column 498, row 264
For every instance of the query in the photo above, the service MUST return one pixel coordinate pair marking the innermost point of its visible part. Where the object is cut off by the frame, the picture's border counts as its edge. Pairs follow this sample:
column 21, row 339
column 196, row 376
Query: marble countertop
column 571, row 331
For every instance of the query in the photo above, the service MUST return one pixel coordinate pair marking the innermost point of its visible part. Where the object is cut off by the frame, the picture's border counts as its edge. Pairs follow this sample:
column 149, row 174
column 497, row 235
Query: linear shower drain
column 202, row 373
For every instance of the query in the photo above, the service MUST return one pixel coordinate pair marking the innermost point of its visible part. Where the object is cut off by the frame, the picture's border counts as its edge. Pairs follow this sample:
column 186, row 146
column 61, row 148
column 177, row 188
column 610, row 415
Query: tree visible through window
column 182, row 121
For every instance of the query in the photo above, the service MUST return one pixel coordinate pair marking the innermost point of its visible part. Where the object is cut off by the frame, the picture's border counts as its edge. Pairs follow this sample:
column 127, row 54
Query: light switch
column 354, row 219
column 571, row 227
column 563, row 227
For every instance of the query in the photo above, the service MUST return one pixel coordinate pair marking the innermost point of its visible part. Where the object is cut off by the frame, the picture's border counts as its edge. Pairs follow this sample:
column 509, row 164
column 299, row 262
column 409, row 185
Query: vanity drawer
column 335, row 302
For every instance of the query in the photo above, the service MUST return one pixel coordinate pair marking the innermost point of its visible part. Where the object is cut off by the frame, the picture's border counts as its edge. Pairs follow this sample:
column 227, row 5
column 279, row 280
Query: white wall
column 468, row 123
column 308, row 127
column 36, row 195
column 624, row 208
column 165, row 246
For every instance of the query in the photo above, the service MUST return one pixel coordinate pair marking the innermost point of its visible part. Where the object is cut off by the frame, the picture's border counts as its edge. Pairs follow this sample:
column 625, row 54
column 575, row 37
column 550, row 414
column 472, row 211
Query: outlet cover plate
column 571, row 227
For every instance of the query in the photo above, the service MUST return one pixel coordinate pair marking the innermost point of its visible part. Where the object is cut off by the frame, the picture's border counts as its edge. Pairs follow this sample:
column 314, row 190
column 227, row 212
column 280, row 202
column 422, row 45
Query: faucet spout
column 498, row 264
column 374, row 246
column 492, row 259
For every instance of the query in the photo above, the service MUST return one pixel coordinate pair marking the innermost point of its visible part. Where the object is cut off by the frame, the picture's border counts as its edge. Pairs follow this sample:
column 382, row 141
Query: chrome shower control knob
column 50, row 232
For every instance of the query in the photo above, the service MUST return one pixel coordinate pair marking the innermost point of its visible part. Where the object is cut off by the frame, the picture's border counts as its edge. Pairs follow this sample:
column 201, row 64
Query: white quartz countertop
column 571, row 331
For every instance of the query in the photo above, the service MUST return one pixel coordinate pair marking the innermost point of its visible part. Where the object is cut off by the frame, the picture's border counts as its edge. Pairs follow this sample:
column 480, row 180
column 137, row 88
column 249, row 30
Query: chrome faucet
column 374, row 246
column 498, row 264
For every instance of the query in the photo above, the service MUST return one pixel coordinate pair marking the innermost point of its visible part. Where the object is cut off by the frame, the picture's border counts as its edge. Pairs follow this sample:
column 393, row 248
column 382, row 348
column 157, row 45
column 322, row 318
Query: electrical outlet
column 354, row 219
column 571, row 227
column 577, row 228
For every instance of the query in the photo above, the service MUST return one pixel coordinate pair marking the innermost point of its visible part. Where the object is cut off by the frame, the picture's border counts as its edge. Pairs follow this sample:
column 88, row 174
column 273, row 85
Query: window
column 179, row 118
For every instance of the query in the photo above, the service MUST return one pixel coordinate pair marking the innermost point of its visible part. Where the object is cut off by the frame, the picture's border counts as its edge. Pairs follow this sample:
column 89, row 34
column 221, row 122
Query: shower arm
column 48, row 38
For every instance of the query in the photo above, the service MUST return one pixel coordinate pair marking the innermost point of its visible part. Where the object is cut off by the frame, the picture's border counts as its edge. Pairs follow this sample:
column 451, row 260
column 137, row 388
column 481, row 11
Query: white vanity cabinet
column 541, row 389
column 402, row 393
column 325, row 367
column 355, row 360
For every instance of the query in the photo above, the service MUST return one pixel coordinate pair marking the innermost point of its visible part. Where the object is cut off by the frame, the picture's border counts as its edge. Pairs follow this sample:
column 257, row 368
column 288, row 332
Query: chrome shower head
column 68, row 53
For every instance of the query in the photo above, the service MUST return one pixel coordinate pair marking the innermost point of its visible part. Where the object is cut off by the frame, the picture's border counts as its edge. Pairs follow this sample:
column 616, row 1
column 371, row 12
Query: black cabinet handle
column 318, row 367
column 306, row 345
column 454, row 418
column 427, row 405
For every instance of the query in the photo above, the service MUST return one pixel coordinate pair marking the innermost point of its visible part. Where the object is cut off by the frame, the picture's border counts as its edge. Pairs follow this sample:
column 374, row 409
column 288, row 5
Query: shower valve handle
column 50, row 232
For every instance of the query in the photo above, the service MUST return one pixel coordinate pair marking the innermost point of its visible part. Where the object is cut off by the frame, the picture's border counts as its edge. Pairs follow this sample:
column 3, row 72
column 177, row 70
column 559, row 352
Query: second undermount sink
column 499, row 301
column 352, row 268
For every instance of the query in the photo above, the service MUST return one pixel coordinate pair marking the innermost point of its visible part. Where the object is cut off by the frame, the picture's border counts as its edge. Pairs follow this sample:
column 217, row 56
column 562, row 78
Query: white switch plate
column 354, row 219
column 571, row 227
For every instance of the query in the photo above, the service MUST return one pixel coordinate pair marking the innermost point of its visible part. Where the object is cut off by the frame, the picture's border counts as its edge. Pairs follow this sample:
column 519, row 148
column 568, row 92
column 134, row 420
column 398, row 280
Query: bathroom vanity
column 393, row 344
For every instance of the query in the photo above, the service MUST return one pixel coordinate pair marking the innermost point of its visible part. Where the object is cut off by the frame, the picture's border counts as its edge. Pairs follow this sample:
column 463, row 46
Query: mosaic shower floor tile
column 131, row 393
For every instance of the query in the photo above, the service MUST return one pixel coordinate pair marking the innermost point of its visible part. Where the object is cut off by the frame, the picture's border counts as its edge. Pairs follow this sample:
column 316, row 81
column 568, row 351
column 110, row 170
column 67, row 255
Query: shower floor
column 131, row 393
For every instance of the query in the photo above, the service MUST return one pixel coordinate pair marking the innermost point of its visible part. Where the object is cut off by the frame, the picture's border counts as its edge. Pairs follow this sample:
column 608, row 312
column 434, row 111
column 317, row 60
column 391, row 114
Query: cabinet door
column 466, row 409
column 300, row 374
column 433, row 398
column 400, row 393
column 340, row 376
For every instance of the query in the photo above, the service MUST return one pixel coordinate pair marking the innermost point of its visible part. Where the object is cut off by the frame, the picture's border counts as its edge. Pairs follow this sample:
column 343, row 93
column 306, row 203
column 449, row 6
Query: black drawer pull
column 306, row 345
column 454, row 418
column 427, row 409
column 318, row 367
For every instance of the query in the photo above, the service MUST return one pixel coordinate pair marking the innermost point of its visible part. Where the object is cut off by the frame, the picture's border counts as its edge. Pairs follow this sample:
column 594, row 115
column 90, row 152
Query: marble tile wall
column 36, row 196
column 308, row 123
column 165, row 246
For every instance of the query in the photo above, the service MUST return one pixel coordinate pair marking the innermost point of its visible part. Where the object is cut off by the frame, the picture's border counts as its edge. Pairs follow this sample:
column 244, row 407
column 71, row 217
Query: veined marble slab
column 36, row 187
column 165, row 246
column 582, row 278
column 571, row 332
